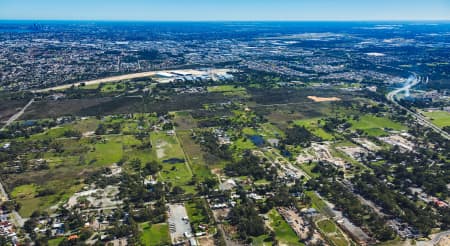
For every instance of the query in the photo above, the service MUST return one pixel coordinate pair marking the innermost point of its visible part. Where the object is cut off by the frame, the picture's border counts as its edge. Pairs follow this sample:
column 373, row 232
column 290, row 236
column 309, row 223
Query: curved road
column 419, row 118
column 435, row 238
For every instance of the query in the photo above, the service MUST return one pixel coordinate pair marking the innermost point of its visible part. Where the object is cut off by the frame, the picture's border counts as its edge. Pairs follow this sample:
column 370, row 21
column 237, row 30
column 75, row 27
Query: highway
column 419, row 118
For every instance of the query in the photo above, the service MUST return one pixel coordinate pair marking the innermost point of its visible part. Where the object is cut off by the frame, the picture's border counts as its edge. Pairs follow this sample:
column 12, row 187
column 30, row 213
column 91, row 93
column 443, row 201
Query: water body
column 257, row 140
column 173, row 161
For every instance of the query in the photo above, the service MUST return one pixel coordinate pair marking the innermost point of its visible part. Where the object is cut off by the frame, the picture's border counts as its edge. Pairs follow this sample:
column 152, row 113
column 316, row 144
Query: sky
column 217, row 10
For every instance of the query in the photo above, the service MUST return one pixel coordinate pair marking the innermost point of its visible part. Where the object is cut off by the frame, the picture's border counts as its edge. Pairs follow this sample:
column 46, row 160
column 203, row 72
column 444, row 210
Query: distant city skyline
column 226, row 10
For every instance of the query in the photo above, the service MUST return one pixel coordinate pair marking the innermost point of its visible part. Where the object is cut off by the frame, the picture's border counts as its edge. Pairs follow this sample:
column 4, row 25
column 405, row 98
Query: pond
column 257, row 140
column 174, row 160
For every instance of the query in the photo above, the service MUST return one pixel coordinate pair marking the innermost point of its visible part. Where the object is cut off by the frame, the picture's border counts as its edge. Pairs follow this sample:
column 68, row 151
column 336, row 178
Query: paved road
column 435, row 239
column 15, row 217
column 419, row 118
column 17, row 115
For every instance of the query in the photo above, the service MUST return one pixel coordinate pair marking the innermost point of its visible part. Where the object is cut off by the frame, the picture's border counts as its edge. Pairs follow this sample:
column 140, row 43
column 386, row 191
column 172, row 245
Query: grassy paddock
column 283, row 232
column 315, row 128
column 440, row 118
column 375, row 126
column 155, row 234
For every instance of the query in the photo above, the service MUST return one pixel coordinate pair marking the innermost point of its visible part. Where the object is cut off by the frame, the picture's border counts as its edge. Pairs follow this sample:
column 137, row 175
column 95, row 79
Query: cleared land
column 324, row 99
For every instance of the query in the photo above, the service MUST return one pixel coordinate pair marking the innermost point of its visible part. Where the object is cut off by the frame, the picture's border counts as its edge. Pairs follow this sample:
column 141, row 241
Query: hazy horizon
column 231, row 10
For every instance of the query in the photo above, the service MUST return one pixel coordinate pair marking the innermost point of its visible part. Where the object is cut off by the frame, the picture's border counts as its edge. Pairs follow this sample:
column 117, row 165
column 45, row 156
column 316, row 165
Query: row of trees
column 361, row 215
column 395, row 203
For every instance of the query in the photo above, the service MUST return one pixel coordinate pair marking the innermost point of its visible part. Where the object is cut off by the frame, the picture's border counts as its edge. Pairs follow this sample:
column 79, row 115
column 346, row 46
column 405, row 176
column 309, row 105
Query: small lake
column 257, row 140
column 173, row 161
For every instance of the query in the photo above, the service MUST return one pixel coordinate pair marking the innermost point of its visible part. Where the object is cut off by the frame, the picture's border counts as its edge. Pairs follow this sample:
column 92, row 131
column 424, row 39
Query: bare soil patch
column 324, row 99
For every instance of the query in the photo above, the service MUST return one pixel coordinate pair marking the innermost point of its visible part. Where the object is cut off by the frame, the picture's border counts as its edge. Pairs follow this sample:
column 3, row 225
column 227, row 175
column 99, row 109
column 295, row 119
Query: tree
column 177, row 190
column 152, row 168
column 247, row 220
column 101, row 130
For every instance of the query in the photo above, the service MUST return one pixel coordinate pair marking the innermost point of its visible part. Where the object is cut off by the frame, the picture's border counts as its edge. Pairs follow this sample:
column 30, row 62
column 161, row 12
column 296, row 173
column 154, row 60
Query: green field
column 332, row 232
column 194, row 155
column 31, row 204
column 327, row 226
column 24, row 191
column 283, row 232
column 76, row 158
column 113, row 87
column 157, row 235
column 315, row 128
column 317, row 203
column 107, row 153
column 55, row 242
column 440, row 118
column 167, row 147
column 225, row 88
column 261, row 241
column 374, row 126
column 243, row 144
column 271, row 131
column 308, row 169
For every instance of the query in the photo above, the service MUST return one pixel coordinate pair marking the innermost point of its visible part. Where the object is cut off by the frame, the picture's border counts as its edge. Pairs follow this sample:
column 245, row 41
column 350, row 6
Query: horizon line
column 236, row 20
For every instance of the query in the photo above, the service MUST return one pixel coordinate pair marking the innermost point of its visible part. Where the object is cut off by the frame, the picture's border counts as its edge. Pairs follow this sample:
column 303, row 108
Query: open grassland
column 35, row 202
column 24, row 191
column 283, row 232
column 332, row 232
column 84, row 126
column 327, row 226
column 225, row 88
column 282, row 115
column 9, row 107
column 70, row 160
column 107, row 153
column 375, row 126
column 154, row 234
column 308, row 169
column 113, row 87
column 440, row 118
column 167, row 147
column 229, row 90
column 243, row 144
column 55, row 241
column 315, row 128
column 262, row 240
column 195, row 156
column 184, row 121
column 317, row 203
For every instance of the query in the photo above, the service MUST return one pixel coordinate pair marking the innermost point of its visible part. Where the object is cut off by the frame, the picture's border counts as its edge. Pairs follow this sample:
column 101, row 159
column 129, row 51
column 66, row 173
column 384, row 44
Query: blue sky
column 226, row 9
